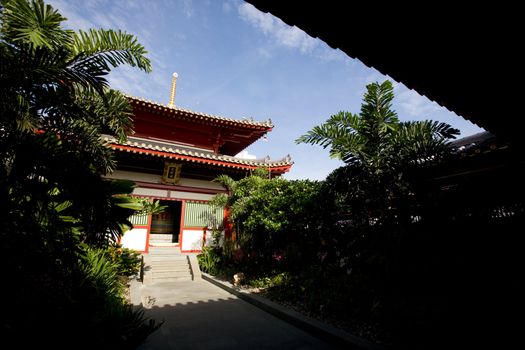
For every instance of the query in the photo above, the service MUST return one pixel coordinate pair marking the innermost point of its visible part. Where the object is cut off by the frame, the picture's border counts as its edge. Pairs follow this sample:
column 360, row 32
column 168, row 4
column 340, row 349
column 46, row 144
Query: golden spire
column 173, row 89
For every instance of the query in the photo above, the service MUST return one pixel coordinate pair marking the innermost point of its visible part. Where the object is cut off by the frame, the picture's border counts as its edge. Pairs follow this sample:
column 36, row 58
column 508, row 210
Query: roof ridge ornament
column 171, row 104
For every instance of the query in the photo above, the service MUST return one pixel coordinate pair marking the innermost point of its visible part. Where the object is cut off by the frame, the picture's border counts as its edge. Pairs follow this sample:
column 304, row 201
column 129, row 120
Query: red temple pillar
column 228, row 226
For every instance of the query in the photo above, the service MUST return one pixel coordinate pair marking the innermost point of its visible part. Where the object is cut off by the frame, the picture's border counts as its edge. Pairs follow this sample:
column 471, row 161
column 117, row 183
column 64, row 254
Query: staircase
column 162, row 240
column 166, row 264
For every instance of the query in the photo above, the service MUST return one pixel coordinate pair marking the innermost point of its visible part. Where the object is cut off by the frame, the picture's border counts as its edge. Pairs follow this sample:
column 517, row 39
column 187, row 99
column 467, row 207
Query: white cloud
column 262, row 21
column 73, row 14
column 245, row 155
column 187, row 8
column 333, row 55
column 226, row 7
column 374, row 76
column 108, row 20
column 415, row 105
column 282, row 33
column 264, row 52
column 130, row 81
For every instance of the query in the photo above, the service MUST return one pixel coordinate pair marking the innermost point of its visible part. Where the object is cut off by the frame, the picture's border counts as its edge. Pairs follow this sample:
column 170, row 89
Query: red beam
column 279, row 169
column 178, row 188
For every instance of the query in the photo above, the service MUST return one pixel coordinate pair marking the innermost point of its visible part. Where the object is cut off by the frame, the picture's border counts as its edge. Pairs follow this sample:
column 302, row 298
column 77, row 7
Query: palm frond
column 111, row 111
column 88, row 72
column 110, row 47
column 422, row 141
column 226, row 182
column 219, row 200
column 240, row 206
column 83, row 139
column 377, row 105
column 36, row 75
column 443, row 130
column 345, row 120
column 349, row 148
column 376, row 140
column 33, row 22
column 336, row 126
column 341, row 133
column 320, row 135
column 25, row 67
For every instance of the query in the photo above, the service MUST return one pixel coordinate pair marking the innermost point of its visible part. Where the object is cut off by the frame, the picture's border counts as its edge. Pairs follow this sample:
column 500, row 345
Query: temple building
column 173, row 156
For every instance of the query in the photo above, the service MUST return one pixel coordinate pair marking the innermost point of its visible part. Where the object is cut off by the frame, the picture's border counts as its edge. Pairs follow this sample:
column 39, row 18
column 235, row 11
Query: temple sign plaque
column 171, row 173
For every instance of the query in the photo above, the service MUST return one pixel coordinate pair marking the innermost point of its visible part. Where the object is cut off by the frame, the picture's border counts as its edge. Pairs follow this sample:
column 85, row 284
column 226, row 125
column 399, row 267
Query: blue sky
column 235, row 61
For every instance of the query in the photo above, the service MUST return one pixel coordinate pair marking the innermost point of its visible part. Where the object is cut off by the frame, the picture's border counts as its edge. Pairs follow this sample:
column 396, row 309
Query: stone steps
column 158, row 237
column 171, row 250
column 163, row 264
column 163, row 244
column 169, row 279
column 165, row 257
column 171, row 268
column 170, row 273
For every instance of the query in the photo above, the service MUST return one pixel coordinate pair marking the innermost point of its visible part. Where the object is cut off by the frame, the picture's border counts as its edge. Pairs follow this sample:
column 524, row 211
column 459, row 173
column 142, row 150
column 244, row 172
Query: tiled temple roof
column 169, row 150
column 172, row 111
column 483, row 142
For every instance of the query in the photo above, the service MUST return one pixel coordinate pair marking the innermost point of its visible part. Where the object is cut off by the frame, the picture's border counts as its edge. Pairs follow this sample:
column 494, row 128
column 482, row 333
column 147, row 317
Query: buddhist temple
column 173, row 156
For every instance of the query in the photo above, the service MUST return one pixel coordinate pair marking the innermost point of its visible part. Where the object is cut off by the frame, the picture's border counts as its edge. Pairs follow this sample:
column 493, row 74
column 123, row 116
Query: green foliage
column 109, row 47
column 118, row 323
column 33, row 22
column 280, row 279
column 261, row 172
column 47, row 76
column 340, row 134
column 219, row 200
column 128, row 260
column 54, row 106
column 380, row 153
column 149, row 207
column 270, row 216
column 129, row 323
column 369, row 206
column 226, row 182
column 349, row 228
column 101, row 273
column 210, row 260
column 275, row 211
column 375, row 139
column 53, row 110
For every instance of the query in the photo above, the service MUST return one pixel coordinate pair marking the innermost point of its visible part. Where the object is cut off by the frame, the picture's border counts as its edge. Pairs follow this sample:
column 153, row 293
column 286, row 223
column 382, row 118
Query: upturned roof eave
column 200, row 157
column 156, row 107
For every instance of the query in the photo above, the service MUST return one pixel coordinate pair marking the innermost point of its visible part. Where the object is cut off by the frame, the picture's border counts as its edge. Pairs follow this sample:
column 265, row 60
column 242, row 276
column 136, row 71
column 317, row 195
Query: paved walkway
column 200, row 315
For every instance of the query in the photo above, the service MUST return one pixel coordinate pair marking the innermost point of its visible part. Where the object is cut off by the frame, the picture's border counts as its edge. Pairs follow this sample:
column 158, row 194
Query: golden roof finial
column 173, row 89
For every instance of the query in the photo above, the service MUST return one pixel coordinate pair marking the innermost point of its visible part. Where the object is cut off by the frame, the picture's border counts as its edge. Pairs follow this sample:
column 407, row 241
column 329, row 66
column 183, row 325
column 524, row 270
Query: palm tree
column 55, row 103
column 378, row 149
column 375, row 205
column 375, row 138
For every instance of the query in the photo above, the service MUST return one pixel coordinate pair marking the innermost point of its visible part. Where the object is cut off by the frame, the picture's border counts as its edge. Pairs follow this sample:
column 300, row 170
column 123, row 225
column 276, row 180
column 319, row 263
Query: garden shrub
column 210, row 260
column 128, row 260
column 115, row 322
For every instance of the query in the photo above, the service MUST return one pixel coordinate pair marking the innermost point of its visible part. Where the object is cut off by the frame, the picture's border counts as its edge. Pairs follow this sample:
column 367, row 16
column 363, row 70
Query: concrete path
column 199, row 315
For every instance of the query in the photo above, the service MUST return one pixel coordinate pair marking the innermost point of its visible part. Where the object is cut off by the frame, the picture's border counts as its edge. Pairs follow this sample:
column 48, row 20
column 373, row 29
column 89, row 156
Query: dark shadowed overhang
column 464, row 56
